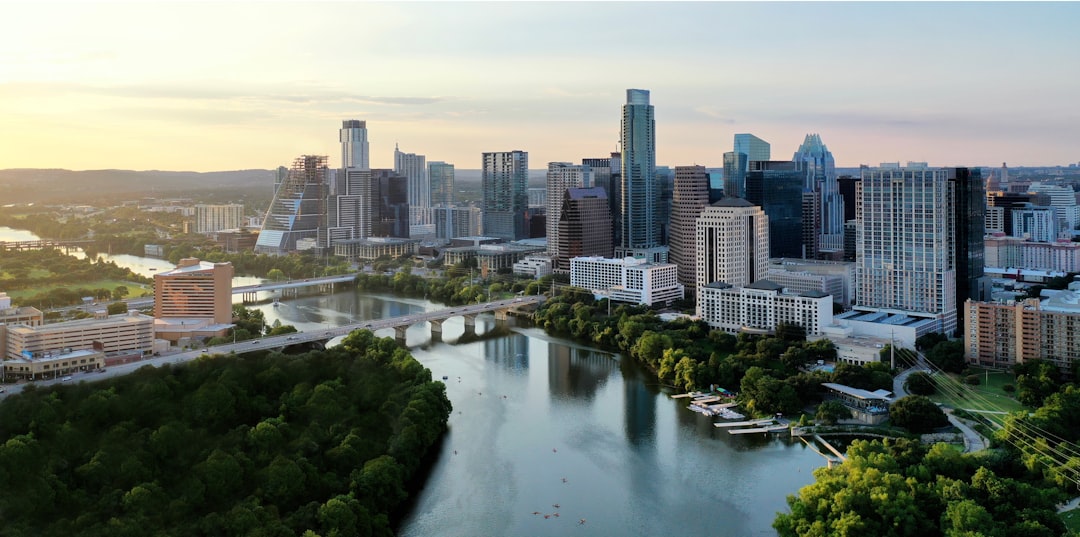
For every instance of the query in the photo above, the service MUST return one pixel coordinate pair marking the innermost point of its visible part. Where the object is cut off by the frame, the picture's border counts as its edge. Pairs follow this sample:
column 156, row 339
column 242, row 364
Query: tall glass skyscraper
column 441, row 176
column 825, row 228
column 777, row 187
column 736, row 163
column 504, row 187
column 414, row 168
column 562, row 176
column 354, row 144
column 640, row 227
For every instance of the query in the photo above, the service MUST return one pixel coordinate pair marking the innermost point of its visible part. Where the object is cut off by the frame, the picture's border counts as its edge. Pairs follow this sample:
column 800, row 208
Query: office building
column 584, row 227
column 759, row 307
column 777, row 187
column 823, row 222
column 736, row 163
column 534, row 266
column 370, row 249
column 441, row 176
column 391, row 214
column 414, row 168
column 628, row 279
column 1062, row 199
column 689, row 199
column 562, row 176
column 640, row 234
column 968, row 205
column 211, row 218
column 504, row 188
column 732, row 243
column 606, row 174
column 354, row 144
column 298, row 209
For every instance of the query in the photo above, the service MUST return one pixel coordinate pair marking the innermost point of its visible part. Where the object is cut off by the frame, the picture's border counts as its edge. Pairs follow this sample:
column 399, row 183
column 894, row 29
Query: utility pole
column 892, row 349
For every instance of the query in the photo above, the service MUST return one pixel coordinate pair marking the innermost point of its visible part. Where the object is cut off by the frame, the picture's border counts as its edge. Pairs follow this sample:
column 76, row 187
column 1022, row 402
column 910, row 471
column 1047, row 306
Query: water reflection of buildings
column 578, row 372
column 639, row 413
column 512, row 351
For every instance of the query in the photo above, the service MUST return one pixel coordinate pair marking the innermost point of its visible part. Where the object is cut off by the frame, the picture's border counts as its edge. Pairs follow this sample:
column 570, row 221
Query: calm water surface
column 540, row 421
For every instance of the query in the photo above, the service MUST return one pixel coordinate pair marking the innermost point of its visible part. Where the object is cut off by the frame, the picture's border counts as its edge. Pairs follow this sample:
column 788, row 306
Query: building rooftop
column 876, row 395
column 732, row 202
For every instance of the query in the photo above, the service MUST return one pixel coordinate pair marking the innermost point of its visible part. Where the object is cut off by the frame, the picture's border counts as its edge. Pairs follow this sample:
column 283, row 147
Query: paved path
column 973, row 441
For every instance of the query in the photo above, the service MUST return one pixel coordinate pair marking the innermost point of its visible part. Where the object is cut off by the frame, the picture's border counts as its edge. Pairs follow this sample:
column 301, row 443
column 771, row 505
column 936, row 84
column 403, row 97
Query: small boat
column 151, row 268
column 445, row 377
column 276, row 303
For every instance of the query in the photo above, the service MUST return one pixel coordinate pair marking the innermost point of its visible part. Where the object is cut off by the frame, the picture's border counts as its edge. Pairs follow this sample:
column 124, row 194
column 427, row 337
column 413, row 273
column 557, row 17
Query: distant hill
column 65, row 186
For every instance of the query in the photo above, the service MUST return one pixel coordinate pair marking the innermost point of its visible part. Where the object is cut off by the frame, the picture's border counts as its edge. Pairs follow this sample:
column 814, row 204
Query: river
column 544, row 425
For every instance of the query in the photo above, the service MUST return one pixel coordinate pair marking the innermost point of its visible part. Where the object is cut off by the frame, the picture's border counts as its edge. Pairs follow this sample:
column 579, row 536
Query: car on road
column 254, row 342
column 65, row 379
column 290, row 338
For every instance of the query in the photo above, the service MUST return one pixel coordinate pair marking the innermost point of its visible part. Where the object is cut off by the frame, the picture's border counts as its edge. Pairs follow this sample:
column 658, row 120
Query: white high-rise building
column 1039, row 224
column 732, row 243
column 211, row 218
column 354, row 144
column 414, row 168
column 905, row 239
column 560, row 177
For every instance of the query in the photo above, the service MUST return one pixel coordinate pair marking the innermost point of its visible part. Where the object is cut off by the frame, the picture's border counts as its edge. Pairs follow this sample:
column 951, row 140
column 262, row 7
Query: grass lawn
column 1072, row 520
column 988, row 395
column 134, row 289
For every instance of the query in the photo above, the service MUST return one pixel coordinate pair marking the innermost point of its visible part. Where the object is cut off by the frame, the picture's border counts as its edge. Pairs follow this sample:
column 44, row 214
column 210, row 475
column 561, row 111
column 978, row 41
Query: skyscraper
column 441, row 176
column 736, row 163
column 298, row 210
column 968, row 191
column 908, row 241
column 354, row 144
column 732, row 243
column 607, row 175
column 391, row 204
column 560, row 177
column 826, row 224
column 777, row 187
column 414, row 168
column 584, row 226
column 689, row 199
column 504, row 188
column 640, row 235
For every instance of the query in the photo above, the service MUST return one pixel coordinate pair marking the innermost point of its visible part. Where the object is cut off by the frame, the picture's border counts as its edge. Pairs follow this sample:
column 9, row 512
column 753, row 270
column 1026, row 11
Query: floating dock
column 768, row 429
column 744, row 423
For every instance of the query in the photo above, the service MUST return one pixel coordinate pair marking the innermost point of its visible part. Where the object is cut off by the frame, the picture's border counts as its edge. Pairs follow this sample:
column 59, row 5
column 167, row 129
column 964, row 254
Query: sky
column 213, row 86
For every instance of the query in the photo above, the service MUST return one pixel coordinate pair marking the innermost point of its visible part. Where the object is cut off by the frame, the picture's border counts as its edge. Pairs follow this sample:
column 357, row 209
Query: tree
column 829, row 412
column 948, row 355
column 119, row 292
column 116, row 308
column 275, row 275
column 1035, row 381
column 917, row 414
column 919, row 383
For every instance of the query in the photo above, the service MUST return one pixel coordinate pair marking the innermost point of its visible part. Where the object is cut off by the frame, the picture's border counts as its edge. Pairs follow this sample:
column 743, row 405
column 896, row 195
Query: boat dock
column 766, row 429
column 745, row 423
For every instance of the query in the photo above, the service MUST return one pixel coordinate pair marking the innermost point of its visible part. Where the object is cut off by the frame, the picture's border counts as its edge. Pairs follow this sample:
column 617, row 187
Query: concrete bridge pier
column 470, row 323
column 249, row 297
column 399, row 334
column 436, row 327
column 501, row 316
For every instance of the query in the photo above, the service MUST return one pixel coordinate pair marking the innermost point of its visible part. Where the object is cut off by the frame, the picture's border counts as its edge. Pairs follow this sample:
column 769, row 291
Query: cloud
column 713, row 112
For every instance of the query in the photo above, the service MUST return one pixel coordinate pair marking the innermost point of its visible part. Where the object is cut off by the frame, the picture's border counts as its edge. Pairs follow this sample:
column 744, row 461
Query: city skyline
column 240, row 85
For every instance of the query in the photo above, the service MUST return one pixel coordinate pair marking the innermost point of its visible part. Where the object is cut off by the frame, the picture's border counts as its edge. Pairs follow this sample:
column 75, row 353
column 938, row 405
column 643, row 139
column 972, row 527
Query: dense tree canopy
column 902, row 488
column 917, row 414
column 252, row 445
